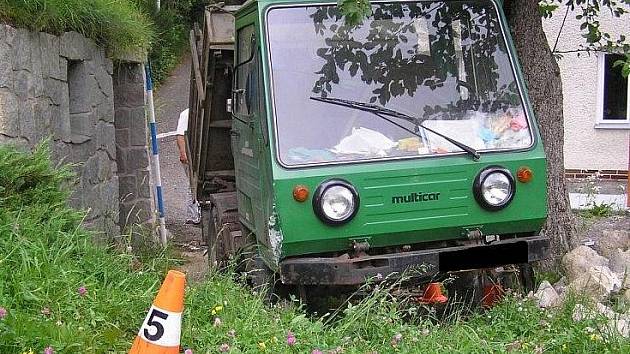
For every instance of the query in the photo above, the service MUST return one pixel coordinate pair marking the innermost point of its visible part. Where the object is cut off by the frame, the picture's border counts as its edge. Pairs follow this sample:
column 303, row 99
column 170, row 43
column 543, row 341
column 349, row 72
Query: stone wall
column 61, row 88
column 131, row 144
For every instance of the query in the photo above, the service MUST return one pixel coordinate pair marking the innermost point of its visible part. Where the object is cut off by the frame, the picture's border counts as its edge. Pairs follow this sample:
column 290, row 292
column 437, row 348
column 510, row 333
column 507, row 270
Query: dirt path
column 170, row 99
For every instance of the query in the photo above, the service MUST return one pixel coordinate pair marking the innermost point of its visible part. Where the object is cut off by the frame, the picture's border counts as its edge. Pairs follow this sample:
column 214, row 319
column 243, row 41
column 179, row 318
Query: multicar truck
column 338, row 152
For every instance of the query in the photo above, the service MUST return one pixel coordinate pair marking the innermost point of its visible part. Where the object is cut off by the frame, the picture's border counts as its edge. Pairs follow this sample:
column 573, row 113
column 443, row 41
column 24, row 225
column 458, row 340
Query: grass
column 119, row 25
column 46, row 257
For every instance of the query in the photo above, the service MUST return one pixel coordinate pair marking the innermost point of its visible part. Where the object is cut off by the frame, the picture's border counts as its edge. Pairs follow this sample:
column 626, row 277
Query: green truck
column 336, row 152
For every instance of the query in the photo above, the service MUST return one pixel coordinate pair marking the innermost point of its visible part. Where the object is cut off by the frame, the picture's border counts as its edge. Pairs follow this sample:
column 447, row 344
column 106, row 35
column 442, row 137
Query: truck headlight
column 336, row 202
column 494, row 188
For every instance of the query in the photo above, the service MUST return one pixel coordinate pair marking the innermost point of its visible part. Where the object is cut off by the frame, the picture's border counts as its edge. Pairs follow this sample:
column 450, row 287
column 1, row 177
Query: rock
column 561, row 285
column 620, row 264
column 613, row 239
column 616, row 322
column 546, row 296
column 579, row 260
column 597, row 283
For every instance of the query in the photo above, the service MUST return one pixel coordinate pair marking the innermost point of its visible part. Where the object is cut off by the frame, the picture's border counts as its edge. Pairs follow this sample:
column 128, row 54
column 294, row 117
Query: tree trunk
column 542, row 75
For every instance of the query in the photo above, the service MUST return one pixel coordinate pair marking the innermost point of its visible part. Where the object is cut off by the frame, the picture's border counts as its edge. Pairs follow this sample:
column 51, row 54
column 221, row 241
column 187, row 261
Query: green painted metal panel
column 382, row 222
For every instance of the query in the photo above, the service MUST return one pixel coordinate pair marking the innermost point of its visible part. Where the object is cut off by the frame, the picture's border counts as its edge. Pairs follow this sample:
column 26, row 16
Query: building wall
column 61, row 88
column 585, row 146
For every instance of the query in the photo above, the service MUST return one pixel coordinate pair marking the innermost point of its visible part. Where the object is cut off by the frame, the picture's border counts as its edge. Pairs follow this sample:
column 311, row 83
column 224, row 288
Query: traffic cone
column 433, row 294
column 161, row 330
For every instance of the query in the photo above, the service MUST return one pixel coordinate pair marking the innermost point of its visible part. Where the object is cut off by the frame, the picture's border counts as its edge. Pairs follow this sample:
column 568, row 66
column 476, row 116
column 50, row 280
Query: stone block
column 144, row 184
column 612, row 240
column 75, row 46
column 55, row 89
column 61, row 152
column 105, row 111
column 121, row 161
column 42, row 118
column 6, row 66
column 104, row 81
column 137, row 158
column 109, row 66
column 63, row 69
column 9, row 115
column 122, row 117
column 106, row 139
column 82, row 124
column 50, row 56
column 128, row 188
column 78, row 88
column 28, row 84
column 27, row 120
column 97, row 169
column 122, row 138
column 138, row 132
column 21, row 50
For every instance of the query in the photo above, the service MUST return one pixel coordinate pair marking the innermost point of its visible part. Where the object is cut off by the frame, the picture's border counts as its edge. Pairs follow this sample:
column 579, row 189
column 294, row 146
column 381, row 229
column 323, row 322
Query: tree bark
column 542, row 75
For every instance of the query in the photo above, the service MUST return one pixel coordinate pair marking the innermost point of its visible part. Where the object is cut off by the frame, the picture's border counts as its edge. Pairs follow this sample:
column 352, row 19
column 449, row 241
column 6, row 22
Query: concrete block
column 9, row 115
column 74, row 46
column 82, row 124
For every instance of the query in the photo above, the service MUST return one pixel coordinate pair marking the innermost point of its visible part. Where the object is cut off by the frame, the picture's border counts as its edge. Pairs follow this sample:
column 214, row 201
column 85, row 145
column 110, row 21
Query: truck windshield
column 445, row 63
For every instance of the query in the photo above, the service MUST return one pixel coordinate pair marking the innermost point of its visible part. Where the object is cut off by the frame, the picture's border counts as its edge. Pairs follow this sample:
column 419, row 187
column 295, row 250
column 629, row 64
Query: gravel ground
column 170, row 99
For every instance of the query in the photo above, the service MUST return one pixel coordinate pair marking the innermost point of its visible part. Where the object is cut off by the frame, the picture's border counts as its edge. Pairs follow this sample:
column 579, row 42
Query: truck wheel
column 526, row 275
column 209, row 220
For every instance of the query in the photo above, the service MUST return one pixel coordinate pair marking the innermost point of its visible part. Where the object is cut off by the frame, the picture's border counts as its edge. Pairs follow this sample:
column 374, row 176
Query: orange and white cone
column 161, row 330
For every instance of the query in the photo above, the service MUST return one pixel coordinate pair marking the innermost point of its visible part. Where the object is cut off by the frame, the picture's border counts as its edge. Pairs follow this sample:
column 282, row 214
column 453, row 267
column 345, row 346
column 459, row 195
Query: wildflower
column 216, row 310
column 262, row 346
column 425, row 332
column 217, row 322
column 589, row 329
column 317, row 351
column 231, row 333
column 3, row 312
column 188, row 351
column 224, row 348
column 396, row 339
column 49, row 350
column 129, row 249
column 46, row 311
column 58, row 323
column 338, row 350
column 290, row 339
column 274, row 339
column 82, row 290
column 30, row 351
column 379, row 276
column 596, row 337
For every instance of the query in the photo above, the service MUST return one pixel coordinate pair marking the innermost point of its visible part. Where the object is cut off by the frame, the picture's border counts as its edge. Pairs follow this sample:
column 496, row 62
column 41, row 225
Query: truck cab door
column 246, row 142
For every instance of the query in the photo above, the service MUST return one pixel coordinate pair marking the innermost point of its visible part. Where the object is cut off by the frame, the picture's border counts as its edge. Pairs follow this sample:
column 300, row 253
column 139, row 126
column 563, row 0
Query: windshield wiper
column 381, row 112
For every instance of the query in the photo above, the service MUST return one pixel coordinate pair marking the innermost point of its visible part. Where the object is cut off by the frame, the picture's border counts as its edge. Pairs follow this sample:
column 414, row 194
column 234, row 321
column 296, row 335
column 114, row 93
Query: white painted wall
column 586, row 147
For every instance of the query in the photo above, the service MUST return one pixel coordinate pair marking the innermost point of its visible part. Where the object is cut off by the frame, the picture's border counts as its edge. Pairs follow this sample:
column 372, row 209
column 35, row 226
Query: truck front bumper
column 425, row 263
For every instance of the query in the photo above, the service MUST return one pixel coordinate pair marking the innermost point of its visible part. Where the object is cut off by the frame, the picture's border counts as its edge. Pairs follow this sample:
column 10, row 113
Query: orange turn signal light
column 524, row 174
column 300, row 193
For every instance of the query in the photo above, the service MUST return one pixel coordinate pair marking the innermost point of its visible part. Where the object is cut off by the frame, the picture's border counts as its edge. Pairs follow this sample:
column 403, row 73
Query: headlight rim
column 481, row 177
column 319, row 193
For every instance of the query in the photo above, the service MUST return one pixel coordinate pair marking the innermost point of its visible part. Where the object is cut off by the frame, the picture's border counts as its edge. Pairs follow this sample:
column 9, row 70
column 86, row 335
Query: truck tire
column 209, row 220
